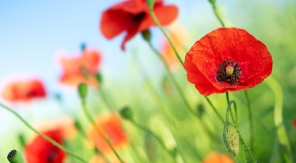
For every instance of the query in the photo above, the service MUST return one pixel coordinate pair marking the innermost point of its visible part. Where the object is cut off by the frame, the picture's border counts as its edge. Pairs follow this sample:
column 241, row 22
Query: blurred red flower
column 217, row 158
column 81, row 69
column 133, row 16
column 24, row 90
column 110, row 124
column 294, row 123
column 40, row 150
column 227, row 59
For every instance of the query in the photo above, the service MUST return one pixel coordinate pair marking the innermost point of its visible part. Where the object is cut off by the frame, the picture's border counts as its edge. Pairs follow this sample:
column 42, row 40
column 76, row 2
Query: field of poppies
column 168, row 81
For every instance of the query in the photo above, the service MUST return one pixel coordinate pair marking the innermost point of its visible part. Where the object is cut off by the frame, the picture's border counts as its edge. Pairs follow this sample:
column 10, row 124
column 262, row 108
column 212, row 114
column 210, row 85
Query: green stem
column 235, row 120
column 250, row 119
column 90, row 118
column 215, row 110
column 243, row 153
column 179, row 90
column 152, row 91
column 42, row 135
column 162, row 30
column 216, row 14
column 177, row 55
column 278, row 116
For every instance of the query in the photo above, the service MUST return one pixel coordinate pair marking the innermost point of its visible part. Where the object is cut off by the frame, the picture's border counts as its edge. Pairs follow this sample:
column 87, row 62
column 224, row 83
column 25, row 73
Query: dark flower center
column 139, row 17
column 229, row 72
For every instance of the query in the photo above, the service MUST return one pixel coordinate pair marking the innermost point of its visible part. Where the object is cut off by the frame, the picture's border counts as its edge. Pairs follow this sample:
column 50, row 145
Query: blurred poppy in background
column 111, row 126
column 217, row 158
column 294, row 124
column 24, row 90
column 40, row 150
column 227, row 59
column 133, row 16
column 81, row 69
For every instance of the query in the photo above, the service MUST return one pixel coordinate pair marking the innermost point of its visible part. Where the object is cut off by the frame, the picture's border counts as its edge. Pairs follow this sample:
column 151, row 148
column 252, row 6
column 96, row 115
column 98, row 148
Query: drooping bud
column 15, row 157
column 126, row 113
column 146, row 35
column 231, row 139
column 99, row 77
column 82, row 90
column 212, row 1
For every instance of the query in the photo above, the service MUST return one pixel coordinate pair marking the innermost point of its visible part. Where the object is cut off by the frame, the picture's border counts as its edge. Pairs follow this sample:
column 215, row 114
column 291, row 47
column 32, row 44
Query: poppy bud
column 99, row 77
column 200, row 110
column 15, row 157
column 22, row 140
column 150, row 3
column 126, row 113
column 212, row 1
column 82, row 90
column 231, row 139
column 146, row 35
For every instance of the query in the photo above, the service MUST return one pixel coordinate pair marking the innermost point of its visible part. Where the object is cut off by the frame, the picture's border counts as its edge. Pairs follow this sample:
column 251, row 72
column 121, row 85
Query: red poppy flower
column 81, row 69
column 294, row 123
column 217, row 158
column 24, row 90
column 40, row 150
column 133, row 16
column 110, row 124
column 227, row 59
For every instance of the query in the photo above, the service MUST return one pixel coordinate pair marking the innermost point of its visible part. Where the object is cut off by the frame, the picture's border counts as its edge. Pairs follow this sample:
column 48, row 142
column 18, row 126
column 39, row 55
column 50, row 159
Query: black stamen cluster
column 11, row 154
column 232, row 79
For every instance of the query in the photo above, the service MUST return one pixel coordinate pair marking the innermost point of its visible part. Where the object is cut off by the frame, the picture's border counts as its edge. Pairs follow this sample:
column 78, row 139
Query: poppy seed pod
column 231, row 139
column 15, row 157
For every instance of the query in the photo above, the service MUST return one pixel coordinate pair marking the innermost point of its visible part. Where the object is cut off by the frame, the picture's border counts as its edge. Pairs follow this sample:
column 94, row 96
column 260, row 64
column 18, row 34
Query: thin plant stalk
column 234, row 118
column 180, row 60
column 179, row 90
column 250, row 119
column 90, row 118
column 278, row 116
column 216, row 13
column 42, row 135
column 162, row 30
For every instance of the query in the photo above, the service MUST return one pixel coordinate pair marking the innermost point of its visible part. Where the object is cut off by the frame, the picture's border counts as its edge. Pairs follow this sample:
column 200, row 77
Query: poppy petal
column 114, row 22
column 165, row 15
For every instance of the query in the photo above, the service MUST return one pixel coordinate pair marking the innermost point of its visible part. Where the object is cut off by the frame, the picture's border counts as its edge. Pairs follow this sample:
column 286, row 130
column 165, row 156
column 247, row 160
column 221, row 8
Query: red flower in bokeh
column 110, row 125
column 81, row 69
column 294, row 124
column 217, row 158
column 133, row 16
column 227, row 59
column 24, row 90
column 40, row 150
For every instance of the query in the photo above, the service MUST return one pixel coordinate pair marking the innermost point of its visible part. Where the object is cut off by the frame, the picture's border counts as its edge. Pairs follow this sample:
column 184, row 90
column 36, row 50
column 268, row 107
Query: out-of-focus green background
column 33, row 34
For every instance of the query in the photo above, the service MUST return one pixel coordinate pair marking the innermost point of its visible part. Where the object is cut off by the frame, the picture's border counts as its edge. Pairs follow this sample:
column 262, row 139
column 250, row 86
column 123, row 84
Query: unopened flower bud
column 126, row 113
column 82, row 90
column 231, row 139
column 146, row 35
column 15, row 157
